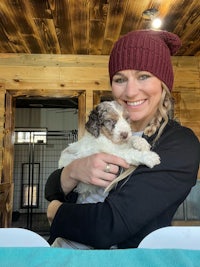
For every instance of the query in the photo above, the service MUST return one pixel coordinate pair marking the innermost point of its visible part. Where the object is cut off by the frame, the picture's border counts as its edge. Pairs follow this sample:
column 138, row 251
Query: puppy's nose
column 124, row 135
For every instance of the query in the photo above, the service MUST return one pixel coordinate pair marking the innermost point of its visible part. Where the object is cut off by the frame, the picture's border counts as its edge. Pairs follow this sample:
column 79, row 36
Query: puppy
column 108, row 130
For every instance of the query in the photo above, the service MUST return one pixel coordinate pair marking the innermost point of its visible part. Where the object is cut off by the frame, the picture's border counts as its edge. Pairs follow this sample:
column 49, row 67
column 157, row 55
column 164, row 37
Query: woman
column 141, row 77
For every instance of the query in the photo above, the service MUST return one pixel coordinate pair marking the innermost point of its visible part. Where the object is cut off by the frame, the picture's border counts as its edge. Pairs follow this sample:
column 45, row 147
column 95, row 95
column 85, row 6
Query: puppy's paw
column 151, row 159
column 140, row 143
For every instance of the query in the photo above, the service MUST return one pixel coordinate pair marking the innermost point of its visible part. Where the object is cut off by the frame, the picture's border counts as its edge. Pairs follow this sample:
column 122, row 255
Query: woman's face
column 140, row 92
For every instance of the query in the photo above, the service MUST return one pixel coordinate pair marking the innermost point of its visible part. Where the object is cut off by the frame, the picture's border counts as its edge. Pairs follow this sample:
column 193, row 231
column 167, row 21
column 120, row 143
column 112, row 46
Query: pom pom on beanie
column 146, row 50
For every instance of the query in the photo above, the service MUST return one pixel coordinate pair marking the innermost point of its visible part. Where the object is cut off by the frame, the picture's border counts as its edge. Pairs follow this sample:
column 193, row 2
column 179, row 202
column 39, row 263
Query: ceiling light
column 156, row 23
column 151, row 15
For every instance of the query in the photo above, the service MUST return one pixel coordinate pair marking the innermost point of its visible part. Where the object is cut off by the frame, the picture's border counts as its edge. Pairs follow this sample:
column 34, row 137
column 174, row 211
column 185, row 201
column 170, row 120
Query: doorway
column 42, row 131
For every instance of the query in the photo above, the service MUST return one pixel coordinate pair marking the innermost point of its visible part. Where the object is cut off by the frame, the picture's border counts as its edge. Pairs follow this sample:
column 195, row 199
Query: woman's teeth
column 136, row 103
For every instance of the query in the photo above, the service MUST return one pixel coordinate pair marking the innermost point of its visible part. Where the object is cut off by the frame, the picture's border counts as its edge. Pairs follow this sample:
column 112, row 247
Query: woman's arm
column 52, row 210
column 53, row 188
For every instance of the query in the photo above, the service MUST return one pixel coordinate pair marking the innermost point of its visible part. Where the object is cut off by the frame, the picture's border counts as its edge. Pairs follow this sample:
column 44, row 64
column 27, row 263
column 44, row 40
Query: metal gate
column 36, row 156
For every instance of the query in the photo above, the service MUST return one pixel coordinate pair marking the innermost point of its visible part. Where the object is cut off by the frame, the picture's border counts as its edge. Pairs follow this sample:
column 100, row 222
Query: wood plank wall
column 83, row 76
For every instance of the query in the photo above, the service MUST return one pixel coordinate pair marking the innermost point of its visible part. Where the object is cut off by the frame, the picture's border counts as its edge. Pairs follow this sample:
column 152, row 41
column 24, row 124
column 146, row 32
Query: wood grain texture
column 90, row 26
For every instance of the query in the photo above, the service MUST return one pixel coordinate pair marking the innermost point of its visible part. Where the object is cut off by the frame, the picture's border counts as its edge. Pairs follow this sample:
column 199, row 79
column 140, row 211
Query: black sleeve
column 53, row 190
column 147, row 195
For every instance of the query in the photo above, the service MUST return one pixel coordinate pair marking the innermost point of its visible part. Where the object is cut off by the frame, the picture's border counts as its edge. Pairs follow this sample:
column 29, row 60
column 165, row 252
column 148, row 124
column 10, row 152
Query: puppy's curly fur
column 108, row 130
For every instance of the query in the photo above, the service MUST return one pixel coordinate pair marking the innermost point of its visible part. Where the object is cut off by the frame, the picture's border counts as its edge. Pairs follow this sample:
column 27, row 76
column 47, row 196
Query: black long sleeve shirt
column 140, row 204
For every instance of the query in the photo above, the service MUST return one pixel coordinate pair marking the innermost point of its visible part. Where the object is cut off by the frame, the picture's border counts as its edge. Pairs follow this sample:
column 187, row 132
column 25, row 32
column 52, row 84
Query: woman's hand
column 52, row 209
column 98, row 169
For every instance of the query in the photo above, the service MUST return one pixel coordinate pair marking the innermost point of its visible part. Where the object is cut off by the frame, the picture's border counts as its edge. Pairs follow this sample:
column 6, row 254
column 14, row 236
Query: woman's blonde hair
column 164, row 113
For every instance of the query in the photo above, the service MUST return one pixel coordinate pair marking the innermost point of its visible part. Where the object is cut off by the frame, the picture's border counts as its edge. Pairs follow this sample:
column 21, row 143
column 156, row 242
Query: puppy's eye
column 109, row 123
column 127, row 118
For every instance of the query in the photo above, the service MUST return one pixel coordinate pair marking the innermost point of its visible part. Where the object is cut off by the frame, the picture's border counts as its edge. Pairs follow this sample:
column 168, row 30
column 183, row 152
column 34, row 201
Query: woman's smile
column 135, row 103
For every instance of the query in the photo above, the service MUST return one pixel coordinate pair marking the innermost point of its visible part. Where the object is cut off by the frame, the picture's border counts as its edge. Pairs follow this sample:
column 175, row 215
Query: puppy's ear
column 93, row 125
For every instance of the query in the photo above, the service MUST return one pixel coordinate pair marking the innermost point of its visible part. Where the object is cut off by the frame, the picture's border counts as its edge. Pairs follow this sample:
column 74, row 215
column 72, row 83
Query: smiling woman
column 146, row 77
column 141, row 77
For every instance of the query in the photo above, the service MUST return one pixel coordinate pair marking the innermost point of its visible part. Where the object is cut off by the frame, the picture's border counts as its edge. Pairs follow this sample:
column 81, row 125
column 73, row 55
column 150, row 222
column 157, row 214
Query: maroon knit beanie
column 146, row 50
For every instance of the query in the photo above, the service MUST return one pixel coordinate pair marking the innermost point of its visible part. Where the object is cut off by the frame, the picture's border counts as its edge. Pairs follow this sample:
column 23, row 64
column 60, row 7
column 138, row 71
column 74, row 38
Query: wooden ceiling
column 90, row 26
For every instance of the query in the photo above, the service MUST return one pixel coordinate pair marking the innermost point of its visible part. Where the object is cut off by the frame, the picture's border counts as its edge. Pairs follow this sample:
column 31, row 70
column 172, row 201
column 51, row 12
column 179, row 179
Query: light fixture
column 156, row 23
column 151, row 15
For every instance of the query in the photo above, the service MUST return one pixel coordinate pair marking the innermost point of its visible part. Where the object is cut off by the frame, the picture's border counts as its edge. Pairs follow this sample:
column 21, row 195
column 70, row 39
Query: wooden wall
column 83, row 76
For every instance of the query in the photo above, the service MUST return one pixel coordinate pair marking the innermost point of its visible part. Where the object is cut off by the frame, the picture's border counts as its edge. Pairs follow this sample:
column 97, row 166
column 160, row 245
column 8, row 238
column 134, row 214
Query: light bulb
column 156, row 23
